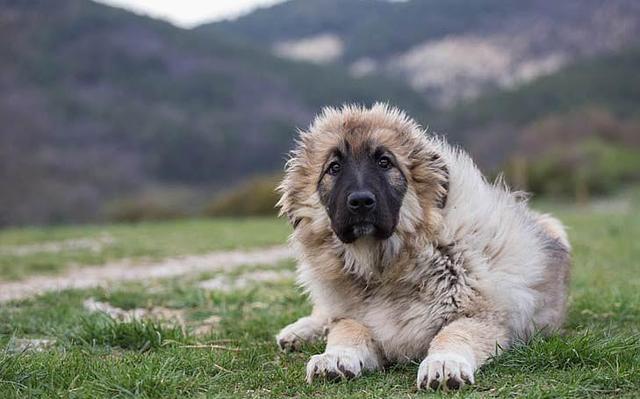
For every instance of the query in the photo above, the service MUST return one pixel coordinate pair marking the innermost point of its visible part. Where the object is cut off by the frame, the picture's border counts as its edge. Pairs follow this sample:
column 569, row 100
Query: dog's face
column 362, row 189
column 364, row 172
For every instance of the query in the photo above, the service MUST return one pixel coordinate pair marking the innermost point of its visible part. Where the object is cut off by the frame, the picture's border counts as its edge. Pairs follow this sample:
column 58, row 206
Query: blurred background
column 129, row 110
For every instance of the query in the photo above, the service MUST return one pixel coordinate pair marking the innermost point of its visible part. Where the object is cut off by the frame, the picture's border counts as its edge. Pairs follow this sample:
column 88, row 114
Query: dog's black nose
column 361, row 201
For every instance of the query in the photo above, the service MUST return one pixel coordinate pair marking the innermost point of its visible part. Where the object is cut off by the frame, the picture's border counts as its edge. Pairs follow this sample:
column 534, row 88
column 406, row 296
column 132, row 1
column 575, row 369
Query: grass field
column 91, row 355
column 30, row 251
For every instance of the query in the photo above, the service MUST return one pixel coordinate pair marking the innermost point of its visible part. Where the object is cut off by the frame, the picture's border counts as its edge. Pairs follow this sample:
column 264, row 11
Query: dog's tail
column 554, row 228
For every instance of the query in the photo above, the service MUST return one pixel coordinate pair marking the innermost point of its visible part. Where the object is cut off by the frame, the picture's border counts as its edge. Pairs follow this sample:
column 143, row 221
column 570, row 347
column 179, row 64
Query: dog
column 408, row 254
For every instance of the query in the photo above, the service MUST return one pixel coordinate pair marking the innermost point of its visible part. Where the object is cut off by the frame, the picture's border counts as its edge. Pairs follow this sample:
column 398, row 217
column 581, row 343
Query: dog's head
column 364, row 172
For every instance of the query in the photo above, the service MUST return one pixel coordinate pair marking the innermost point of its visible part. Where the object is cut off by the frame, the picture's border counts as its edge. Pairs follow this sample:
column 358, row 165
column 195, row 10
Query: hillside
column 102, row 109
column 573, row 133
column 497, row 120
column 448, row 49
column 369, row 28
column 100, row 104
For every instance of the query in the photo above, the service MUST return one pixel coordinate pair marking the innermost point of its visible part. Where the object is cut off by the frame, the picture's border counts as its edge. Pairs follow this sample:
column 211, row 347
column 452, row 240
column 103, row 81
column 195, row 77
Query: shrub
column 590, row 167
column 153, row 204
column 254, row 197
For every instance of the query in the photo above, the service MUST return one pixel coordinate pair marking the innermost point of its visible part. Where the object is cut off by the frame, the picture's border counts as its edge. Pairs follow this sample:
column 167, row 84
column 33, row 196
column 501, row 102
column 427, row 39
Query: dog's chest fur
column 405, row 303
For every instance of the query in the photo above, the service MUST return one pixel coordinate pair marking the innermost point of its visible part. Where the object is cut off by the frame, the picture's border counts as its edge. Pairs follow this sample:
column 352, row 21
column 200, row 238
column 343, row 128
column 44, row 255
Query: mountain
column 609, row 81
column 101, row 107
column 598, row 97
column 573, row 133
column 98, row 104
column 447, row 49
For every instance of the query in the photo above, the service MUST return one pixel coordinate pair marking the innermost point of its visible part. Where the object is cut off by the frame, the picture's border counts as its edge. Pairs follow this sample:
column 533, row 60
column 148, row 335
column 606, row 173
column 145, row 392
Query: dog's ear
column 295, row 221
column 430, row 175
column 441, row 174
column 286, row 209
column 442, row 199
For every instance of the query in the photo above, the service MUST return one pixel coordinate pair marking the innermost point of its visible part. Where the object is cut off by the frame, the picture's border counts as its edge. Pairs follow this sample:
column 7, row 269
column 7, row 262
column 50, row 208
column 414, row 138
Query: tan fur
column 348, row 332
column 468, row 269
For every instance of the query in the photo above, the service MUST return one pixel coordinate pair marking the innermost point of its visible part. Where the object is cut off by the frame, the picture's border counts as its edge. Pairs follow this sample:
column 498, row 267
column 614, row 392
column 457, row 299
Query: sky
column 188, row 13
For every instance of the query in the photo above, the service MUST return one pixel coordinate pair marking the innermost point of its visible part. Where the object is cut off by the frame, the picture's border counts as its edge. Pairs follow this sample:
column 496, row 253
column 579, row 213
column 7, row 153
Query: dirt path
column 95, row 244
column 128, row 270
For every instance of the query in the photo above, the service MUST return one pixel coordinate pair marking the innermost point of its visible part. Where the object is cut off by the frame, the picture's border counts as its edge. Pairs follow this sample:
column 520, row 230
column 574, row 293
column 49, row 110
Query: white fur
column 444, row 366
column 367, row 257
column 479, row 214
column 362, row 258
column 306, row 329
column 338, row 359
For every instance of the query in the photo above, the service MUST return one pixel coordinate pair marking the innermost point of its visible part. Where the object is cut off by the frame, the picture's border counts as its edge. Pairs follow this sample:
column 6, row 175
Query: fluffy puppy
column 408, row 254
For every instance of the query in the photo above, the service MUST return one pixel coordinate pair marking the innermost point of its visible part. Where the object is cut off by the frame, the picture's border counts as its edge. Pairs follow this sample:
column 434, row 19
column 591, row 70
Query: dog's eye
column 384, row 162
column 334, row 168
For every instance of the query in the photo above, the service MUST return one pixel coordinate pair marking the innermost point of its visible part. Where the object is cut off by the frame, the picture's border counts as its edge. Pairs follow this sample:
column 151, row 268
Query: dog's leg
column 458, row 350
column 306, row 329
column 350, row 350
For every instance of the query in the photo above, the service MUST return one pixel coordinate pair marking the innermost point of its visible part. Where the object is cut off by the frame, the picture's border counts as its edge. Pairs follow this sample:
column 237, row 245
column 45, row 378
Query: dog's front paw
column 445, row 370
column 307, row 329
column 336, row 364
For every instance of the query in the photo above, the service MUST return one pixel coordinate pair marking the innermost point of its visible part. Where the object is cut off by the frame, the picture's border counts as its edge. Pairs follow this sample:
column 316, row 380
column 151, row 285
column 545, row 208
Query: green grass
column 152, row 240
column 598, row 356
